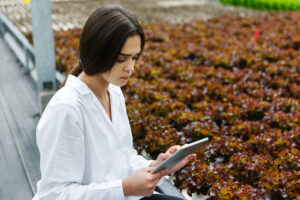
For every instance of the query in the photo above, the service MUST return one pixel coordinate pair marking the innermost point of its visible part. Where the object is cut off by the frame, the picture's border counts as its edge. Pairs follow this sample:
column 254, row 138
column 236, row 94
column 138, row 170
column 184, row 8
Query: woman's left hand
column 163, row 156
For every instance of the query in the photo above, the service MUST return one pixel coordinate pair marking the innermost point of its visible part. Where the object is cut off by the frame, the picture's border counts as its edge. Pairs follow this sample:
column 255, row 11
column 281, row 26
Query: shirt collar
column 83, row 89
column 78, row 85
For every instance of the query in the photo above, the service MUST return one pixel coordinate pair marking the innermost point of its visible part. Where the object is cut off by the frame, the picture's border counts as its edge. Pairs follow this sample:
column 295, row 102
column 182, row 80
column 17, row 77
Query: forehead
column 132, row 45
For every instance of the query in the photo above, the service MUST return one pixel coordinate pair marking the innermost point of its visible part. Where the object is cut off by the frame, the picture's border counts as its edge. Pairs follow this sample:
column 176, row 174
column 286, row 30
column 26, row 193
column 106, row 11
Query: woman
column 84, row 135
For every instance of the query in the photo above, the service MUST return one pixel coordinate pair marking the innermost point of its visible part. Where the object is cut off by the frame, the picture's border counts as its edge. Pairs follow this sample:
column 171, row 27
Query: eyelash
column 120, row 60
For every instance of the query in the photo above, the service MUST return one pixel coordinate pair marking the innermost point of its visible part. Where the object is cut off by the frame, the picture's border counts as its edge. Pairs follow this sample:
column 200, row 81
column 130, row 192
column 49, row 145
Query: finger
column 173, row 149
column 160, row 155
column 160, row 174
column 192, row 156
column 163, row 156
column 148, row 169
column 187, row 159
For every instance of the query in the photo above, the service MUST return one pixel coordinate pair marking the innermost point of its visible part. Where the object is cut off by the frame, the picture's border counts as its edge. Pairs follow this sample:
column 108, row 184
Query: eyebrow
column 124, row 54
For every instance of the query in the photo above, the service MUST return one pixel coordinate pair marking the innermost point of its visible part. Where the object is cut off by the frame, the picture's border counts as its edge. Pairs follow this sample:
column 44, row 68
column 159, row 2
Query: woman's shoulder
column 66, row 96
column 63, row 105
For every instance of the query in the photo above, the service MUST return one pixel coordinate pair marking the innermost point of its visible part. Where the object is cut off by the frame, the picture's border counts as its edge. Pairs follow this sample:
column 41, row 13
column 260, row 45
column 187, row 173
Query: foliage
column 266, row 4
column 215, row 79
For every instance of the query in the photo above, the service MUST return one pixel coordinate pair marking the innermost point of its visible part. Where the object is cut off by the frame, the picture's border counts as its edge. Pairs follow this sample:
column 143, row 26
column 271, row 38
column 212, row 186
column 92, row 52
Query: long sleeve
column 137, row 161
column 61, row 143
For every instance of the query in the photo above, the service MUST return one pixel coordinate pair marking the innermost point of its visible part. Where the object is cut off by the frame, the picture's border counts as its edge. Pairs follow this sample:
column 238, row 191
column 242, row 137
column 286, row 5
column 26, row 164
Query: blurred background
column 67, row 14
column 224, row 69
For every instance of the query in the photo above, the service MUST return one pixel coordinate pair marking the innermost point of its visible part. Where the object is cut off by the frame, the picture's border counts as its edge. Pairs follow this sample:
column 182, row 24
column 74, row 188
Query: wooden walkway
column 19, row 115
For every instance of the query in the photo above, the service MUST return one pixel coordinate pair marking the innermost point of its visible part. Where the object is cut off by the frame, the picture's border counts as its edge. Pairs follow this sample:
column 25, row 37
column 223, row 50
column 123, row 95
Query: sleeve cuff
column 119, row 190
column 116, row 189
column 140, row 165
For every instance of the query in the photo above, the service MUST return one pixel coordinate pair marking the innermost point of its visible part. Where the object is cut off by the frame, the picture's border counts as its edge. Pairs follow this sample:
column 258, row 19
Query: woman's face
column 123, row 68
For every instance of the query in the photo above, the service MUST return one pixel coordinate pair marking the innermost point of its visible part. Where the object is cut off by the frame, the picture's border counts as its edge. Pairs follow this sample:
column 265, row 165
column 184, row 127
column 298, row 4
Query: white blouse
column 85, row 155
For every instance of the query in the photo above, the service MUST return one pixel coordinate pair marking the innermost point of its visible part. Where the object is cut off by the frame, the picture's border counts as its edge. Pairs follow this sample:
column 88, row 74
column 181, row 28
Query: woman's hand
column 142, row 183
column 163, row 156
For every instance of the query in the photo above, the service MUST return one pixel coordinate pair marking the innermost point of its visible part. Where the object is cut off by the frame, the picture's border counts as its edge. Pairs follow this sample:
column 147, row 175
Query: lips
column 125, row 77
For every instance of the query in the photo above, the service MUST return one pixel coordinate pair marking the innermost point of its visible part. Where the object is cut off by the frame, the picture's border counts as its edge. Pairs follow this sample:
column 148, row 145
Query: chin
column 120, row 84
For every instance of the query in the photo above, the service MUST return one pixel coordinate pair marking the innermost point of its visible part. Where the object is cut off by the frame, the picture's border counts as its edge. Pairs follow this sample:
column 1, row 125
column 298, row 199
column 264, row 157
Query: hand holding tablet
column 179, row 155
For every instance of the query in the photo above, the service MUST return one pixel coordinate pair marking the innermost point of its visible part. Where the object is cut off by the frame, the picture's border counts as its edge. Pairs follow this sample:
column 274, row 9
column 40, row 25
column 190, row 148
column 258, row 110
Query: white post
column 43, row 49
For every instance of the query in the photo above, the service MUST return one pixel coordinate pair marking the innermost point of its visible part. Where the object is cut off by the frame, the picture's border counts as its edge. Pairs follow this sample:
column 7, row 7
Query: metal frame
column 21, row 47
column 18, row 44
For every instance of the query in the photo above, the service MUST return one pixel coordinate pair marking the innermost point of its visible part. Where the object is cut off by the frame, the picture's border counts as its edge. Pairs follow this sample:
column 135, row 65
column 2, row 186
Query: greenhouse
column 226, row 70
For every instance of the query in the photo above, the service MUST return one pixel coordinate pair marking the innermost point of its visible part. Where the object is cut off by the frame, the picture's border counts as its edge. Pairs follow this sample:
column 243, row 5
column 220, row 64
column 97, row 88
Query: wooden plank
column 23, row 114
column 12, row 173
column 8, row 154
column 19, row 166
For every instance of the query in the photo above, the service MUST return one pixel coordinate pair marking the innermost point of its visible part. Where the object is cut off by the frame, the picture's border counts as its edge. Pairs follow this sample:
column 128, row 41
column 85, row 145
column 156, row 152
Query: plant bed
column 233, row 79
column 266, row 4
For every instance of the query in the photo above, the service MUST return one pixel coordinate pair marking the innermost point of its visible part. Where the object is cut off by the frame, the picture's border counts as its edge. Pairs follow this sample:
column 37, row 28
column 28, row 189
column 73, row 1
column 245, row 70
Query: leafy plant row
column 266, row 4
column 233, row 79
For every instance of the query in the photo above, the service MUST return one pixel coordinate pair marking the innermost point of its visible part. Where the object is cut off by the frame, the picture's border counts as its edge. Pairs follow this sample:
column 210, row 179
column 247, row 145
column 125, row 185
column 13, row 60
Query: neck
column 96, row 83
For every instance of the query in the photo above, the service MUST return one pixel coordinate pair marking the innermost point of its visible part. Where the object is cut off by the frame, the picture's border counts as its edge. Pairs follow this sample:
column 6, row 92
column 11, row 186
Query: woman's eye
column 121, row 60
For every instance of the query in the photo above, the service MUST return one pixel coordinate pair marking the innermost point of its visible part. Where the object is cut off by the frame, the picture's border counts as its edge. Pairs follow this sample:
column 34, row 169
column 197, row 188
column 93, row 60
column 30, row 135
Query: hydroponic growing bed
column 266, row 4
column 235, row 80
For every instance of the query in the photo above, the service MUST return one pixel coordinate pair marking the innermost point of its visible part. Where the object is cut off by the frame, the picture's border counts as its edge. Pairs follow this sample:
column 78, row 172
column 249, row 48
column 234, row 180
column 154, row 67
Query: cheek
column 117, row 70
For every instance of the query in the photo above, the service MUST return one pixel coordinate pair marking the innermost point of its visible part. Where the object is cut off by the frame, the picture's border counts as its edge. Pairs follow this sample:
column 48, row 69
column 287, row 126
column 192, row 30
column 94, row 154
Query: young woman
column 84, row 135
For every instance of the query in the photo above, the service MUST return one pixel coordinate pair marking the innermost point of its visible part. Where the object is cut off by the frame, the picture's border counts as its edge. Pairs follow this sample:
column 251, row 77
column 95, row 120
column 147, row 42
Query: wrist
column 152, row 164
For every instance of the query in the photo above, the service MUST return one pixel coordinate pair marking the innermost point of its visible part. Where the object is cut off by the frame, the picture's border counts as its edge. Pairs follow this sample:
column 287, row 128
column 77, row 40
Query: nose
column 130, row 66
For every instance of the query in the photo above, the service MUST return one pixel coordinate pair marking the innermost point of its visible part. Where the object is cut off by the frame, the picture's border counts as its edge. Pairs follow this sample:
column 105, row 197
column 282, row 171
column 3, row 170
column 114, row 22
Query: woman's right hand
column 142, row 183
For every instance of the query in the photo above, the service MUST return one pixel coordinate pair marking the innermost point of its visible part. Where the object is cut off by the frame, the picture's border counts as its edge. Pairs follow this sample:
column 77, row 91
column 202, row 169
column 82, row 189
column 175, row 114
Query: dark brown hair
column 102, row 38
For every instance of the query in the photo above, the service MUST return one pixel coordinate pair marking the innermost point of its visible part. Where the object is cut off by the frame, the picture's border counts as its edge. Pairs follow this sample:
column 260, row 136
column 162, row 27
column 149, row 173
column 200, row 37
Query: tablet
column 179, row 155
